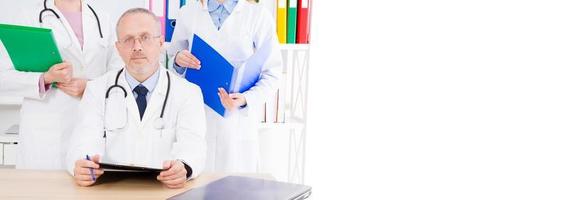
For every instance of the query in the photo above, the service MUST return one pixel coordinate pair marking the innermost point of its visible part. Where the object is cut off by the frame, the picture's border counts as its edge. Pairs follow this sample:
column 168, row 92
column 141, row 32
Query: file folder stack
column 293, row 21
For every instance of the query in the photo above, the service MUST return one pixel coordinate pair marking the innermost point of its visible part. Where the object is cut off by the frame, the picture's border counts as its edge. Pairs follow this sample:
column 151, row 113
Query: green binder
column 291, row 22
column 31, row 49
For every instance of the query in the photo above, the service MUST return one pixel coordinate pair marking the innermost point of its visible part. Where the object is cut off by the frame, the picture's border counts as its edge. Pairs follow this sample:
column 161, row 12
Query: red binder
column 303, row 22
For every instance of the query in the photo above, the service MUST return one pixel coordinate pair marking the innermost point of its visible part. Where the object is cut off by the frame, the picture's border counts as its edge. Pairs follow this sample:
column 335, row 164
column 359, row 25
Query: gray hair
column 139, row 11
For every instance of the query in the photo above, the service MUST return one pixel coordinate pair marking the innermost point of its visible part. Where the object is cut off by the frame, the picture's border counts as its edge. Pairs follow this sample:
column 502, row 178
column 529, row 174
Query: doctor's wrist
column 189, row 170
column 47, row 78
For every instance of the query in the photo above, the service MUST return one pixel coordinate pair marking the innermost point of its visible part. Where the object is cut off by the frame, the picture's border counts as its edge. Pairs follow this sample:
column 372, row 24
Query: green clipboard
column 31, row 49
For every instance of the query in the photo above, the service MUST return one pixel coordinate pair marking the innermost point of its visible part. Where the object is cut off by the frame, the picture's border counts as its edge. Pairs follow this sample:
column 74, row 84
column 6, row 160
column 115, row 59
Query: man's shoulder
column 108, row 75
column 183, row 85
column 101, row 81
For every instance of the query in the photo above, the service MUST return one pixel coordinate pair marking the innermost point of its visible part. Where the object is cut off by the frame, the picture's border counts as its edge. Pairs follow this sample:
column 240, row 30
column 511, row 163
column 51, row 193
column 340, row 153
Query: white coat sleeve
column 16, row 83
column 190, row 145
column 87, row 136
column 180, row 37
column 265, row 39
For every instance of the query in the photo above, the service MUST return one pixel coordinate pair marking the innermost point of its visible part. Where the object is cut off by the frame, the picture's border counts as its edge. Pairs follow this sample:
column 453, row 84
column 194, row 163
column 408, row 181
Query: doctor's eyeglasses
column 144, row 40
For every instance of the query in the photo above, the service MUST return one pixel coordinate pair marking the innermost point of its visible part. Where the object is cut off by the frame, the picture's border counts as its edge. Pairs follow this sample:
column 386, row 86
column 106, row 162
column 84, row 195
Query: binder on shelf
column 303, row 25
column 172, row 10
column 24, row 42
column 291, row 22
column 281, row 20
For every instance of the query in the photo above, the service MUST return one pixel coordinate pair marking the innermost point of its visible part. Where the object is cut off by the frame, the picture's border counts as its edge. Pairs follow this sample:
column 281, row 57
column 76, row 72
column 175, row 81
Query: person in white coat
column 84, row 38
column 140, row 115
column 237, row 29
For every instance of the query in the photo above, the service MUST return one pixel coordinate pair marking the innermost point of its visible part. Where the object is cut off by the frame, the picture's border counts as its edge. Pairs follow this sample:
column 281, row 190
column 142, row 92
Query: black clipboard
column 127, row 168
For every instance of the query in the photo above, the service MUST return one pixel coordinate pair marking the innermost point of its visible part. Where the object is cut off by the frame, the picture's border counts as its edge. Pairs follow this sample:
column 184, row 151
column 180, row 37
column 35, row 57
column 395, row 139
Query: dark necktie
column 141, row 91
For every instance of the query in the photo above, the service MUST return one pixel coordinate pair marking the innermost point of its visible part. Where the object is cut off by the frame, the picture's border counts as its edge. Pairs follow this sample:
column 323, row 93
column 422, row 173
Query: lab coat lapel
column 131, row 105
column 75, row 50
column 156, row 100
column 91, row 38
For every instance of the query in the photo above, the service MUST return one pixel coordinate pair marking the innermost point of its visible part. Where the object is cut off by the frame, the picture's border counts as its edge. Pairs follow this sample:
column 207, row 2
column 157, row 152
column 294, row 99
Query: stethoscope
column 45, row 9
column 158, row 123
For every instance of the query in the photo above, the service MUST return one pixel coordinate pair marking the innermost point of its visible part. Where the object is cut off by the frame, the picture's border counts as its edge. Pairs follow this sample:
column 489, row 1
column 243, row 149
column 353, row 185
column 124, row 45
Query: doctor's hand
column 82, row 171
column 174, row 174
column 74, row 88
column 61, row 72
column 231, row 101
column 185, row 59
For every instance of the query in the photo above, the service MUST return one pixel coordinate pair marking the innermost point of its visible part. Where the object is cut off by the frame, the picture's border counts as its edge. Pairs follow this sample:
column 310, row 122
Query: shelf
column 295, row 46
column 4, row 100
column 287, row 125
column 8, row 138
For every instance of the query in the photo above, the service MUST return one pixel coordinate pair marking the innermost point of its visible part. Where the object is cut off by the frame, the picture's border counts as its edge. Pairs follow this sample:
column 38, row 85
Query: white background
column 436, row 99
column 439, row 99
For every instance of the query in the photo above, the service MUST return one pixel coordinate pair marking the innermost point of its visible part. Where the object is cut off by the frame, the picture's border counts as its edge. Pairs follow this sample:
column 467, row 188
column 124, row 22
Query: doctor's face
column 139, row 43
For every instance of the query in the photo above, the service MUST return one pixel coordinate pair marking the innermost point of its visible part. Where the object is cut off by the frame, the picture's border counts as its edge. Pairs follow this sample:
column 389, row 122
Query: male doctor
column 139, row 115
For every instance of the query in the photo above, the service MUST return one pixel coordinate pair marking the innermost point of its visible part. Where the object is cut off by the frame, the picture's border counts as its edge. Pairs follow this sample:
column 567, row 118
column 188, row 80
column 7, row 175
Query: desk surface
column 35, row 184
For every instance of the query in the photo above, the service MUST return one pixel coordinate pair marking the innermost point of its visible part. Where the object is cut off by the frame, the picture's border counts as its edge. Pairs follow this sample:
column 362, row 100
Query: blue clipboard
column 216, row 72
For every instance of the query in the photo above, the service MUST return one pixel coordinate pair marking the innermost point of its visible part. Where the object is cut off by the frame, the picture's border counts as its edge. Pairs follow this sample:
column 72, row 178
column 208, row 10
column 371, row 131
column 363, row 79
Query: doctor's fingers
column 224, row 101
column 174, row 170
column 87, row 164
column 188, row 55
column 223, row 94
column 84, row 183
column 173, row 176
column 87, row 171
column 178, row 181
column 188, row 62
column 175, row 186
column 61, row 75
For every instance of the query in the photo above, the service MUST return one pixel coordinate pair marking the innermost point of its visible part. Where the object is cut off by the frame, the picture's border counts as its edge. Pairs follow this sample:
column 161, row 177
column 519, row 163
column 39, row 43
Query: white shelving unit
column 6, row 100
column 295, row 75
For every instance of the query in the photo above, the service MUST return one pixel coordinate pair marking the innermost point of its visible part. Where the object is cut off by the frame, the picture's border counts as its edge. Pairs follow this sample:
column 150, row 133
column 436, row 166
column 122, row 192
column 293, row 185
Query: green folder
column 291, row 22
column 31, row 49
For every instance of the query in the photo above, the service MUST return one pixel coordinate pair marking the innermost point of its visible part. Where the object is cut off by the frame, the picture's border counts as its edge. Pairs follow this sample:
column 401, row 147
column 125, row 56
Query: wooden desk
column 35, row 184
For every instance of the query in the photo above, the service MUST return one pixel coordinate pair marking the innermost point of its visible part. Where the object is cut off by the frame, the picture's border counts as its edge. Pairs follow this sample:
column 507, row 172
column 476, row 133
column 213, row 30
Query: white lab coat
column 139, row 142
column 46, row 121
column 233, row 141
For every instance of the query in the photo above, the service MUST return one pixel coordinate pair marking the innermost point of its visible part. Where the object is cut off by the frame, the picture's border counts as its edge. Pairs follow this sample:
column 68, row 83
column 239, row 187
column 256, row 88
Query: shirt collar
column 149, row 83
column 229, row 5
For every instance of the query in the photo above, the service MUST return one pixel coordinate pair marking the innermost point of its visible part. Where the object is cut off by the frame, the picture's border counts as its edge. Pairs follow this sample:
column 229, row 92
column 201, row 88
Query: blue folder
column 217, row 72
